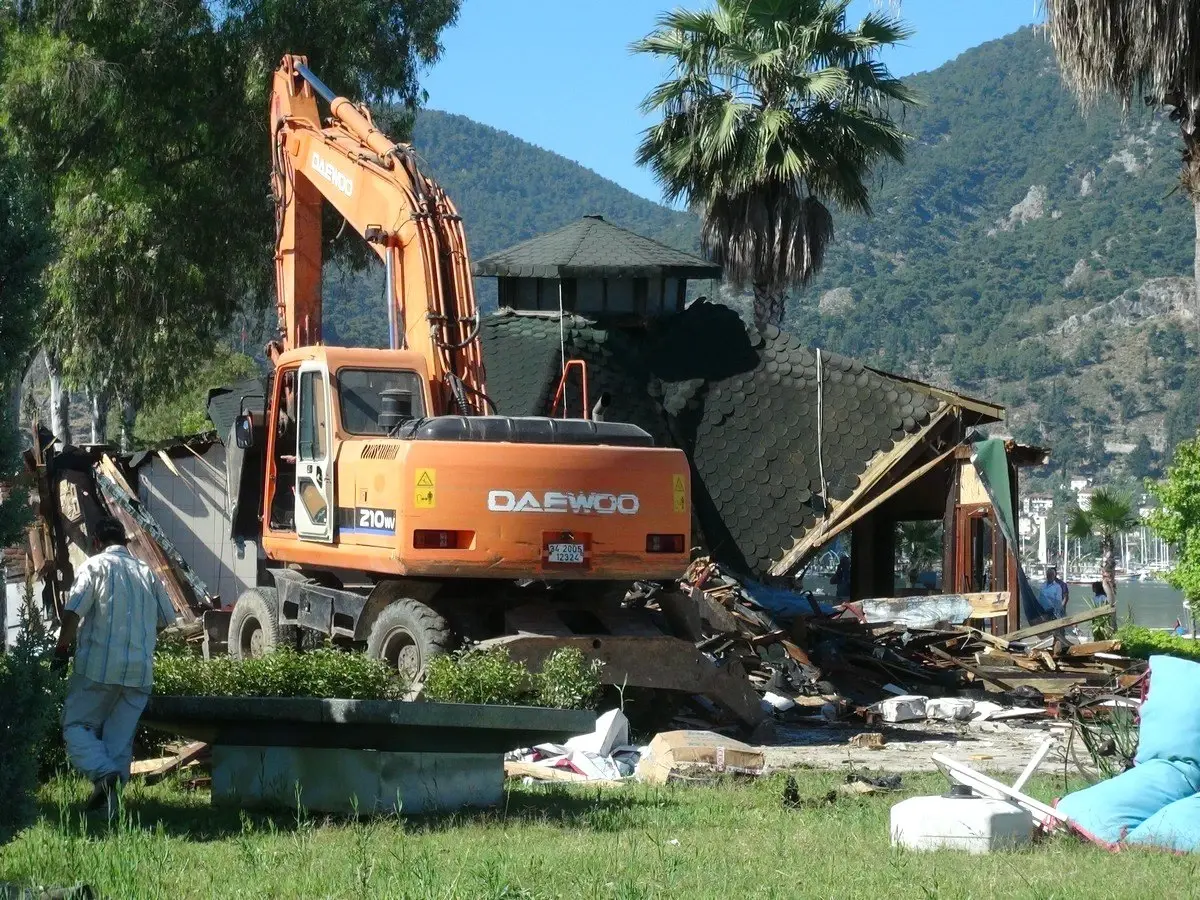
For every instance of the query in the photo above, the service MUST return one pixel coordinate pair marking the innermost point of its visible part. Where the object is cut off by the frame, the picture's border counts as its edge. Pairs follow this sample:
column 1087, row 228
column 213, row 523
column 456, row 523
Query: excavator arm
column 406, row 218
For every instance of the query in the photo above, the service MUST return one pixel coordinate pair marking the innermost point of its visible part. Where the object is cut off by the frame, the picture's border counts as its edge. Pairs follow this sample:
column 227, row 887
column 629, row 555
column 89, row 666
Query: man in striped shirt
column 116, row 606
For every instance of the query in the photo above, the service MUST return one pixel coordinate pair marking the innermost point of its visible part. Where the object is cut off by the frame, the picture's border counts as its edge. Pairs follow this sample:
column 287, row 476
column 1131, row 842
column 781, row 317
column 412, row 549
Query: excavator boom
column 406, row 217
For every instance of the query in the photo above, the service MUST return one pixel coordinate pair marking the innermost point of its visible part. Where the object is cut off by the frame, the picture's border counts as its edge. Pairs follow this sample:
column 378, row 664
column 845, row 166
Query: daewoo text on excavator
column 398, row 508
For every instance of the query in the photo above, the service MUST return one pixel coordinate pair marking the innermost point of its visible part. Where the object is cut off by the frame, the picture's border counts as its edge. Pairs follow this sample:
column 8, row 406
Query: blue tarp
column 782, row 603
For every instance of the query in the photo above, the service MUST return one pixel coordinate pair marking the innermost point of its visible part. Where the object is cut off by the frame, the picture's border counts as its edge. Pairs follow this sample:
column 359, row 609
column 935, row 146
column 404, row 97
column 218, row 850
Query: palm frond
column 1131, row 49
column 773, row 109
column 1110, row 512
column 1079, row 523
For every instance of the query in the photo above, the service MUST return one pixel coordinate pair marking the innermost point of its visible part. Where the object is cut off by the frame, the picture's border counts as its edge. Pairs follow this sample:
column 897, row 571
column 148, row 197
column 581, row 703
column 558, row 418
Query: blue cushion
column 1112, row 808
column 1170, row 717
column 1174, row 827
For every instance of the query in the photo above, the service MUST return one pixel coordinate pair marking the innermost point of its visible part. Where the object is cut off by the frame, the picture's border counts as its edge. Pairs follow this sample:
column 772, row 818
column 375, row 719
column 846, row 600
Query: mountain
column 1027, row 252
column 1024, row 251
column 507, row 190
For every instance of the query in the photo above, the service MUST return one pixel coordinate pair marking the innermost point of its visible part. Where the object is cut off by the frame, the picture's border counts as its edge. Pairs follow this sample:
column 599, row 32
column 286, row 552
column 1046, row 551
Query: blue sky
column 557, row 73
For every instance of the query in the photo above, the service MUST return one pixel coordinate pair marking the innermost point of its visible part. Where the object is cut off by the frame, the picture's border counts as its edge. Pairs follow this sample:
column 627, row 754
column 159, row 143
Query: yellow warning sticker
column 424, row 486
column 679, row 489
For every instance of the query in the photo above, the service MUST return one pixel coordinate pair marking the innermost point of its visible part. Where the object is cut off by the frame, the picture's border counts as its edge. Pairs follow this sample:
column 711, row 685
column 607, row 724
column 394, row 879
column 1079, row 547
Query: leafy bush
column 30, row 701
column 324, row 672
column 567, row 680
column 1142, row 643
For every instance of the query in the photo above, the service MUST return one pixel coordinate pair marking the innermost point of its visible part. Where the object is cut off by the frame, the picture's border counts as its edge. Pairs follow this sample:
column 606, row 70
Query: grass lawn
column 734, row 841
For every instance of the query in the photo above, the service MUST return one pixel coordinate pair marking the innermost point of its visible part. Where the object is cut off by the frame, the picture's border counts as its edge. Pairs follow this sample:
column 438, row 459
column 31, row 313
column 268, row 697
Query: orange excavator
column 398, row 508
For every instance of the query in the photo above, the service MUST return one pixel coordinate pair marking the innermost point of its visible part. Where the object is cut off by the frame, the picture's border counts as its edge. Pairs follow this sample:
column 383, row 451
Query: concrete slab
column 375, row 756
column 396, row 726
column 346, row 781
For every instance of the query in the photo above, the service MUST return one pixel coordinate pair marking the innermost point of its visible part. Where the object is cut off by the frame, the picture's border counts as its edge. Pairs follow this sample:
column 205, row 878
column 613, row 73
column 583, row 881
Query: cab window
column 313, row 440
column 359, row 393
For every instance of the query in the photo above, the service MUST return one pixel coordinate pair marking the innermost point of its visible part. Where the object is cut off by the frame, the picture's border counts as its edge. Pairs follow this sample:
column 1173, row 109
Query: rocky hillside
column 1025, row 252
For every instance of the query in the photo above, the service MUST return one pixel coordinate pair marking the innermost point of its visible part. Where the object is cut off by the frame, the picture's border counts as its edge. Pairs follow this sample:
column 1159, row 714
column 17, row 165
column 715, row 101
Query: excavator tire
column 406, row 635
column 254, row 624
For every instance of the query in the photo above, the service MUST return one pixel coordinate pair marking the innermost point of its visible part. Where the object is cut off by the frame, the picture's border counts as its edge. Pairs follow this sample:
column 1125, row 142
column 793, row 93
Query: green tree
column 186, row 412
column 1137, row 50
column 24, row 245
column 1177, row 519
column 773, row 109
column 1106, row 518
column 1142, row 460
column 145, row 124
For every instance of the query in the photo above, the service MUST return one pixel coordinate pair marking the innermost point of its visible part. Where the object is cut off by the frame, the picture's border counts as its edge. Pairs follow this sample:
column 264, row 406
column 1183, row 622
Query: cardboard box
column 692, row 753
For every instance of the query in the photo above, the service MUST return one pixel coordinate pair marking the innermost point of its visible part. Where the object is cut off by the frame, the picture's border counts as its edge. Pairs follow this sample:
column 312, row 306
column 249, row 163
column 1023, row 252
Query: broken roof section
column 779, row 440
column 594, row 248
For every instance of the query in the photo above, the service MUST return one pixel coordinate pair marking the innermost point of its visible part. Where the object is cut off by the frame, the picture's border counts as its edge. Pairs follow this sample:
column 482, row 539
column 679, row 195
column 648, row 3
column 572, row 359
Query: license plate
column 566, row 553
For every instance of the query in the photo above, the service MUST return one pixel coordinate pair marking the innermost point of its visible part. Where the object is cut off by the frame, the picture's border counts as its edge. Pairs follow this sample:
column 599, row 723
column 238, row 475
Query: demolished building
column 790, row 447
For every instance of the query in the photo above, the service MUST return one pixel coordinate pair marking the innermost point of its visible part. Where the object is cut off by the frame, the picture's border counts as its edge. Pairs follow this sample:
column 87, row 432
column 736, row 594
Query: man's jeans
column 99, row 721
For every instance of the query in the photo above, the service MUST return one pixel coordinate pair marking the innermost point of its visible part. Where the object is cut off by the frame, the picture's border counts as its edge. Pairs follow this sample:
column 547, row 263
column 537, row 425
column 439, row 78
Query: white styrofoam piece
column 594, row 767
column 949, row 709
column 908, row 708
column 973, row 824
column 612, row 728
column 778, row 702
column 984, row 709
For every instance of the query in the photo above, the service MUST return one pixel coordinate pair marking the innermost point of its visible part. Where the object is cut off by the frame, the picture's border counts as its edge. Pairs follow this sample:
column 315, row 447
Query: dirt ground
column 1000, row 747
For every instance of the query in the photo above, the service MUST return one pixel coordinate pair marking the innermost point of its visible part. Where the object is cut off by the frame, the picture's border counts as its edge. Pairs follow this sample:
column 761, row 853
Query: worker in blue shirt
column 1053, row 597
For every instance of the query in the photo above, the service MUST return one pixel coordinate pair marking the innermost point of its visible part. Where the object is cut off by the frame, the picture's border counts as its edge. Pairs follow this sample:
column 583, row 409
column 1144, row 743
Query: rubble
column 812, row 661
column 688, row 755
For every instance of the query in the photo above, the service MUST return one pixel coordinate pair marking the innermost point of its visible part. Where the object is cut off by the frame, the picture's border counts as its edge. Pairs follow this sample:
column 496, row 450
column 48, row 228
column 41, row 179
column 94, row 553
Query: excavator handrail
column 560, row 395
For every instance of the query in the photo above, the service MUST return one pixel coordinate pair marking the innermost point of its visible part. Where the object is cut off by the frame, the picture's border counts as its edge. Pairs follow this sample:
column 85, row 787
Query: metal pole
column 389, row 273
column 317, row 84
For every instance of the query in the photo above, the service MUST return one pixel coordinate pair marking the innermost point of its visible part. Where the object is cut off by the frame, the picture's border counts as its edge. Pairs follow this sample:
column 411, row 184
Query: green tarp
column 990, row 459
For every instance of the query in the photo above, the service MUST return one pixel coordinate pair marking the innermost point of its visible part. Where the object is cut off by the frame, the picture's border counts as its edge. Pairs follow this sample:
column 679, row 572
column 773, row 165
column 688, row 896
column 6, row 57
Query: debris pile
column 605, row 756
column 808, row 658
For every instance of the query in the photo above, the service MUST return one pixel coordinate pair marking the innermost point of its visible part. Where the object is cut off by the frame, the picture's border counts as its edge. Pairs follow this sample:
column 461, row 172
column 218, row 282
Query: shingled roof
column 743, row 405
column 594, row 248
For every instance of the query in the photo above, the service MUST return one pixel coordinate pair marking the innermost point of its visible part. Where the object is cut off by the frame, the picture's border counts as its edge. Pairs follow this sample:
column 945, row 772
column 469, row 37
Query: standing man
column 1053, row 598
column 117, row 606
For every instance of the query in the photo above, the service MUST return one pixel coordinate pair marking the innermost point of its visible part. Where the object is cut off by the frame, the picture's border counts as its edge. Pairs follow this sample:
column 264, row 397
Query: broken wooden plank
column 1000, row 643
column 1066, row 622
column 1093, row 647
column 972, row 670
column 153, row 770
column 518, row 769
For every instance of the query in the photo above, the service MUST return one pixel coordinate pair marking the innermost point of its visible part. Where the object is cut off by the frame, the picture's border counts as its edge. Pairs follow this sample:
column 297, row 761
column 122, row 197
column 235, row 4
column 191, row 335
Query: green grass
column 729, row 841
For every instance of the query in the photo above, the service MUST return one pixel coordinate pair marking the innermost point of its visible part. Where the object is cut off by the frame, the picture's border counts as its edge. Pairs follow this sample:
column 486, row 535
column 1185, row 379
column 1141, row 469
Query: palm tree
column 773, row 109
column 1137, row 49
column 1108, row 515
column 919, row 544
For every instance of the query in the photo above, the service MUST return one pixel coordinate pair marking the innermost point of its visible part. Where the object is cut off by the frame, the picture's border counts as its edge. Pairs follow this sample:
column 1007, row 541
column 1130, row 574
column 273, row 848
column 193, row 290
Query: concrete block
column 331, row 780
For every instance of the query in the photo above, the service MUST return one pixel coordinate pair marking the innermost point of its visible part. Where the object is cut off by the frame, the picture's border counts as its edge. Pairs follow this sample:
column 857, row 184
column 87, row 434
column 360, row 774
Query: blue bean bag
column 1174, row 827
column 1149, row 803
column 1107, row 811
column 1169, row 725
